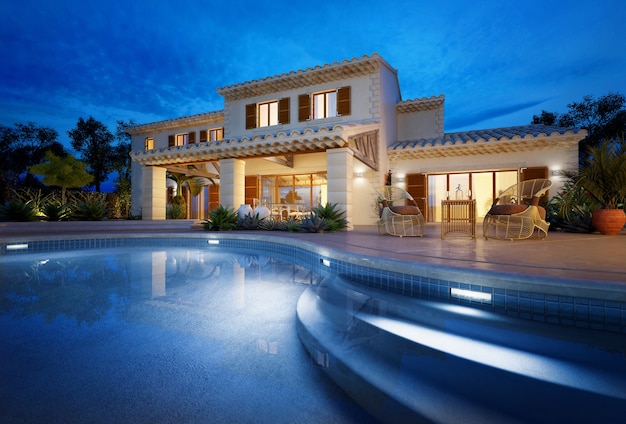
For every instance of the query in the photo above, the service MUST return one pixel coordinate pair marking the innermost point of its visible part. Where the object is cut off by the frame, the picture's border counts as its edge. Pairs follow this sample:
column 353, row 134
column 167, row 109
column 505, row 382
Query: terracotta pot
column 608, row 221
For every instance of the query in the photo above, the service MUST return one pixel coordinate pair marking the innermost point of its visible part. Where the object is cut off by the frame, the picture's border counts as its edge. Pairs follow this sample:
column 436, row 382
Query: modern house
column 333, row 134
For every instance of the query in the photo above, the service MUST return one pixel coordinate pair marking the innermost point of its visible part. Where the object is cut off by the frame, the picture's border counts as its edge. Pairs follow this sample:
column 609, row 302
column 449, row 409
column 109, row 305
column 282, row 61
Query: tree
column 121, row 160
column 62, row 171
column 93, row 141
column 20, row 147
column 604, row 118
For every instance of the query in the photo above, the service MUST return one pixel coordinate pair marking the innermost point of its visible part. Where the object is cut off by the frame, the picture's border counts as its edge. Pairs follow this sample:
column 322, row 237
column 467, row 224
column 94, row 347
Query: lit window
column 268, row 114
column 216, row 134
column 148, row 143
column 182, row 139
column 325, row 105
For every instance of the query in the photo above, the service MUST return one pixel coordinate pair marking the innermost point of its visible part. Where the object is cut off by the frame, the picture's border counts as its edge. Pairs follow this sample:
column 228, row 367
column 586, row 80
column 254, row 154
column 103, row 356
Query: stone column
column 339, row 168
column 153, row 192
column 232, row 182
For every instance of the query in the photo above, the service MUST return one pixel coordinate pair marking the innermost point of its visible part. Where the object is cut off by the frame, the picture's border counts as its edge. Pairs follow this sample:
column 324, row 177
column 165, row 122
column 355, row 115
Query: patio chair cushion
column 508, row 209
column 405, row 210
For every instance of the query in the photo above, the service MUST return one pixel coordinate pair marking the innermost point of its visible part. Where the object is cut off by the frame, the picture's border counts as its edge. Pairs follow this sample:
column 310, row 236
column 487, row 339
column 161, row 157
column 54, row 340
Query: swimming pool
column 408, row 347
column 159, row 335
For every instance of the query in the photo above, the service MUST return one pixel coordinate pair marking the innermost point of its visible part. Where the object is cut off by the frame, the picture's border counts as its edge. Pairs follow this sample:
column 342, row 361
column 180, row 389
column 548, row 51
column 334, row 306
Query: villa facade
column 332, row 134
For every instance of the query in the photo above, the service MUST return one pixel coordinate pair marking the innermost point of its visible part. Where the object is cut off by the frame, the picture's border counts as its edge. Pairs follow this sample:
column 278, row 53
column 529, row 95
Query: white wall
column 360, row 108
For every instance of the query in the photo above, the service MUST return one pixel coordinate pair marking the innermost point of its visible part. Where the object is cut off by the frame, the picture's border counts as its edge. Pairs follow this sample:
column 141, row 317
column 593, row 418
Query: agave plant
column 314, row 224
column 93, row 209
column 249, row 222
column 221, row 219
column 334, row 218
column 55, row 211
column 271, row 224
column 18, row 211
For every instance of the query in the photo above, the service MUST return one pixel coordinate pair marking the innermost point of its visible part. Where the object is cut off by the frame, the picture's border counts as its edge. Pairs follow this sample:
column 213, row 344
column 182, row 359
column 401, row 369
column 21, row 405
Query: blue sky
column 497, row 62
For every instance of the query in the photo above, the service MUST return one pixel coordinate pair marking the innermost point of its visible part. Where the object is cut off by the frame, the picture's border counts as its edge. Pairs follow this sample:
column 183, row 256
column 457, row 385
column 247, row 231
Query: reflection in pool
column 148, row 335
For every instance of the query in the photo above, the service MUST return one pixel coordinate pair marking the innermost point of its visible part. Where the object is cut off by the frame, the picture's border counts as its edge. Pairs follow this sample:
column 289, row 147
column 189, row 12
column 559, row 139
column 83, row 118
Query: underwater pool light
column 325, row 262
column 470, row 295
column 211, row 241
column 17, row 246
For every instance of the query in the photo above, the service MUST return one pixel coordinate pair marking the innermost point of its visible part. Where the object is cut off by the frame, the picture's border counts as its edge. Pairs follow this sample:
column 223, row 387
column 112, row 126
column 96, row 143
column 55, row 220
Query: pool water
column 161, row 336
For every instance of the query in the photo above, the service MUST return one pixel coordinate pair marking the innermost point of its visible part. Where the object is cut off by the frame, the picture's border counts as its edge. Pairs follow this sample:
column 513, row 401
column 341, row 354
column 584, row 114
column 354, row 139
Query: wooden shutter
column 283, row 110
column 251, row 116
column 251, row 189
column 535, row 173
column 343, row 101
column 171, row 140
column 214, row 196
column 203, row 136
column 416, row 186
column 304, row 107
column 192, row 137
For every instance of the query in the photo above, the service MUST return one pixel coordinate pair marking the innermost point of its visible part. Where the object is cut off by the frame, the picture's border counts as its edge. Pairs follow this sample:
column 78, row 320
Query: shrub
column 271, row 224
column 570, row 210
column 335, row 219
column 221, row 219
column 18, row 211
column 55, row 211
column 175, row 211
column 314, row 224
column 249, row 222
column 93, row 209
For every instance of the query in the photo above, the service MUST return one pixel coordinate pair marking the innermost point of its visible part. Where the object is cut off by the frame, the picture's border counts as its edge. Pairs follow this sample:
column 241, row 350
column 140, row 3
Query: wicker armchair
column 399, row 214
column 516, row 214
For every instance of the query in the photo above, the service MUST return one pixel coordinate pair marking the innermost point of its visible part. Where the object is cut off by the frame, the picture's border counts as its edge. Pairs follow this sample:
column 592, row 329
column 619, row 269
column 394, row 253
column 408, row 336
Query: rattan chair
column 516, row 214
column 398, row 212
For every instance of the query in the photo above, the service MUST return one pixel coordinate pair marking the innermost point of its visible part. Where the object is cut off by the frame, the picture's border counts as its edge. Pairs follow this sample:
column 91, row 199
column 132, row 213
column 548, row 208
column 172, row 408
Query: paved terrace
column 588, row 257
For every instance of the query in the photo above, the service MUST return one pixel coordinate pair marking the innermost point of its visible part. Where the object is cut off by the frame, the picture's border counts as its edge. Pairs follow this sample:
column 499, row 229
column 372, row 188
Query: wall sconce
column 555, row 172
column 401, row 179
column 358, row 175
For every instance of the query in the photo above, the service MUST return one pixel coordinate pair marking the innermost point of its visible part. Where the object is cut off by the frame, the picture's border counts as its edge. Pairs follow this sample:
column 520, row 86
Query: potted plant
column 603, row 177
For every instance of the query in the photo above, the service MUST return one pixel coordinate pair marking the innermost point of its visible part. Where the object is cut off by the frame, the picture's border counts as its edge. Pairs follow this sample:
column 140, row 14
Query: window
column 326, row 104
column 148, row 143
column 213, row 134
column 182, row 139
column 266, row 114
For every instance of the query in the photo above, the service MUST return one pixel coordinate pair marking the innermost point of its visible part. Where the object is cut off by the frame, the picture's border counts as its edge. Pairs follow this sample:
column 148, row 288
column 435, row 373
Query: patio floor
column 588, row 257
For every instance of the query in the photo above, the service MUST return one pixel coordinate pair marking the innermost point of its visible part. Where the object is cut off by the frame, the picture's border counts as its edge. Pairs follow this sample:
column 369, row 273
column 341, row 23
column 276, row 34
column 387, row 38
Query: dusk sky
column 497, row 62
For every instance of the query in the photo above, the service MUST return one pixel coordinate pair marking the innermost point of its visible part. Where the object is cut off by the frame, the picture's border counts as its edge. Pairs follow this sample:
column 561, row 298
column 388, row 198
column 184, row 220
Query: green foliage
column 90, row 207
column 314, row 224
column 603, row 175
column 93, row 141
column 292, row 225
column 271, row 224
column 570, row 210
column 178, row 208
column 221, row 219
column 175, row 211
column 21, row 146
column 335, row 218
column 603, row 118
column 55, row 211
column 249, row 222
column 18, row 211
column 65, row 172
